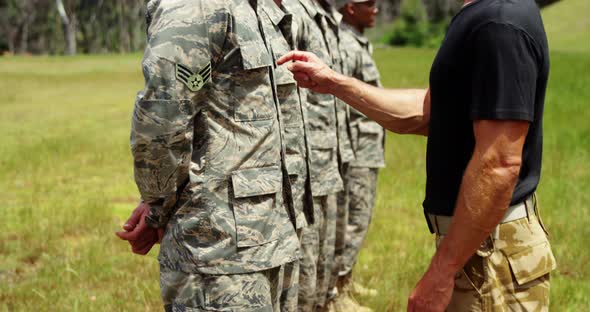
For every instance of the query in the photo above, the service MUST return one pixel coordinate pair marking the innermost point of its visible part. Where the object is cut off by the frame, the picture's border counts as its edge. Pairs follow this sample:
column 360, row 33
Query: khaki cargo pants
column 510, row 271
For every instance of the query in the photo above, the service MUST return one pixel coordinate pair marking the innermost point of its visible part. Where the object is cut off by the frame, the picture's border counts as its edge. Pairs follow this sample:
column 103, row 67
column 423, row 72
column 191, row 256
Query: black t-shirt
column 493, row 65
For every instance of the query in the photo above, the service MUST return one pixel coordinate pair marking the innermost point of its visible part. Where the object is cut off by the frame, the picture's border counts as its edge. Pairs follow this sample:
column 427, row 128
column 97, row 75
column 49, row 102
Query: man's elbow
column 506, row 168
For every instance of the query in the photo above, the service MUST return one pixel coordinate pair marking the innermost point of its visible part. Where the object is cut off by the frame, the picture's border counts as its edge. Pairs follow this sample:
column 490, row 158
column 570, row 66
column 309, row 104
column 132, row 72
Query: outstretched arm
column 404, row 111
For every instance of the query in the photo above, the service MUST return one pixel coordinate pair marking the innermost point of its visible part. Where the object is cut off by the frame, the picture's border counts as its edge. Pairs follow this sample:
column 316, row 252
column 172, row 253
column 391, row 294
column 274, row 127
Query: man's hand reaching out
column 310, row 72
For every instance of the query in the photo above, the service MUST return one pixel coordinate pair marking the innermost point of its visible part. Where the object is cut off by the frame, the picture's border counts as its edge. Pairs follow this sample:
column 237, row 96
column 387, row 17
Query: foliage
column 107, row 26
column 34, row 26
column 415, row 28
column 423, row 23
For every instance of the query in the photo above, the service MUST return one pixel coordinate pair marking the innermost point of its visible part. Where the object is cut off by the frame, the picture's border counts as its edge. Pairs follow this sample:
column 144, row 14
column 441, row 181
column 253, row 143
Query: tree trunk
column 23, row 44
column 124, row 40
column 25, row 29
column 70, row 28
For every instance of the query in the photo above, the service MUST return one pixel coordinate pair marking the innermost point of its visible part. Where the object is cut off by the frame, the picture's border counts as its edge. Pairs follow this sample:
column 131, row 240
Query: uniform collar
column 337, row 16
column 310, row 7
column 331, row 15
column 357, row 34
column 273, row 11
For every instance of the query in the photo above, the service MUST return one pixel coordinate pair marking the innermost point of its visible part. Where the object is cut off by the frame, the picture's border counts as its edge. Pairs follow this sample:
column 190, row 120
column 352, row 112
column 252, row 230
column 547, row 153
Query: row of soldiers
column 264, row 191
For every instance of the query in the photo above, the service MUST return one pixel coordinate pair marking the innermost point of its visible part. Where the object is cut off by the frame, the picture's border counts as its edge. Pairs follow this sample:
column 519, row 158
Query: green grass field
column 66, row 183
column 568, row 26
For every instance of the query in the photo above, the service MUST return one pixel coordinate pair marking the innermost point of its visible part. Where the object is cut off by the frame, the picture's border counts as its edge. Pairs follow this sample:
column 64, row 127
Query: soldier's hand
column 140, row 236
column 309, row 71
column 433, row 292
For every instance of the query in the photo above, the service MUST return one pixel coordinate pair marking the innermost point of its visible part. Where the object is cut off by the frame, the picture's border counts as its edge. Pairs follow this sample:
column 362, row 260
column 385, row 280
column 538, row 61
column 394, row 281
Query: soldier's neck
column 350, row 21
column 279, row 2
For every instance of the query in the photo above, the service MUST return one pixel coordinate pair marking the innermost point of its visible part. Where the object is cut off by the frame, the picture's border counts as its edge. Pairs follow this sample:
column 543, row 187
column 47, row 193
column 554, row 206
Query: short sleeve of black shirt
column 504, row 73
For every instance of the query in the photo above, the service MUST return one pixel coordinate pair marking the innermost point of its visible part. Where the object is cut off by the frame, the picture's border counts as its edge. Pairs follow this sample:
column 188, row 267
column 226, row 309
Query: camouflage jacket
column 321, row 111
column 281, row 34
column 206, row 140
column 367, row 136
column 330, row 23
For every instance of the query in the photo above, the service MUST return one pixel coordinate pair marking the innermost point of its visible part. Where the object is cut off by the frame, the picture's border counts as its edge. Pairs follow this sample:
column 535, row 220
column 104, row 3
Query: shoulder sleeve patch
column 194, row 81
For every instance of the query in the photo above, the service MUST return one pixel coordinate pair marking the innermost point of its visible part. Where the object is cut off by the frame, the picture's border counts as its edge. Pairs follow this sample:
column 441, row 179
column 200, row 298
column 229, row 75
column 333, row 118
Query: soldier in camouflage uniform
column 209, row 157
column 329, row 22
column 283, row 32
column 367, row 137
column 323, row 140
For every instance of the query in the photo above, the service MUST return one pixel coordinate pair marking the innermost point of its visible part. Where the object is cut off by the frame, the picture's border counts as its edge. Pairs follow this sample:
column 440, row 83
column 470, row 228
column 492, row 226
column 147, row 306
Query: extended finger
column 294, row 56
column 300, row 67
column 128, row 236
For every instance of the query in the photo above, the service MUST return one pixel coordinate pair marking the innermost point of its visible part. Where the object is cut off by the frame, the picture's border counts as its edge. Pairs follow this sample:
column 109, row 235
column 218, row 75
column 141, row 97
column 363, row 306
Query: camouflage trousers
column 327, row 243
column 269, row 290
column 510, row 272
column 309, row 237
column 361, row 185
column 341, row 238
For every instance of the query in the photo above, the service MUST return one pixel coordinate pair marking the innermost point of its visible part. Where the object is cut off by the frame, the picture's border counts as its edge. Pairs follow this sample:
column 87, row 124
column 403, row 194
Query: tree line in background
column 420, row 22
column 118, row 26
column 72, row 26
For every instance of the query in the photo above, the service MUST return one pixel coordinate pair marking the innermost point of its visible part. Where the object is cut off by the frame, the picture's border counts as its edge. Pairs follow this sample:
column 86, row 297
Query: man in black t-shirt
column 483, row 118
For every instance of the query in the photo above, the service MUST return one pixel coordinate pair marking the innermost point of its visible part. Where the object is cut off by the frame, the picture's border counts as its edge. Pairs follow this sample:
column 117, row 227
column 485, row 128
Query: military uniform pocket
column 284, row 76
column 368, row 143
column 323, row 150
column 256, row 204
column 370, row 71
column 251, row 95
column 369, row 133
column 529, row 264
column 370, row 127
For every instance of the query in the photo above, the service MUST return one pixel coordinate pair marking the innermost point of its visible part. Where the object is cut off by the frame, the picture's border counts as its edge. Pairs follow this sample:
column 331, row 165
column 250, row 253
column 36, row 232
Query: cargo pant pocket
column 531, row 263
column 194, row 292
column 257, row 200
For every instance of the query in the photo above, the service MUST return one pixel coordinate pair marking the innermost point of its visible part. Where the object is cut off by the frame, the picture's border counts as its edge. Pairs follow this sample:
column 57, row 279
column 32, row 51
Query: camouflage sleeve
column 176, row 67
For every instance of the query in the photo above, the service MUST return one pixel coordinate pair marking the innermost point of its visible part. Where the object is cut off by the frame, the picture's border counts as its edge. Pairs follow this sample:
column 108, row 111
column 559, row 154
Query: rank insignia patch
column 193, row 81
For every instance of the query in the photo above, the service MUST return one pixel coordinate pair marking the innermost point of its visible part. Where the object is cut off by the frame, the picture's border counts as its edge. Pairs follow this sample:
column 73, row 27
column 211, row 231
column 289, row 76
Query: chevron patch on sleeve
column 194, row 81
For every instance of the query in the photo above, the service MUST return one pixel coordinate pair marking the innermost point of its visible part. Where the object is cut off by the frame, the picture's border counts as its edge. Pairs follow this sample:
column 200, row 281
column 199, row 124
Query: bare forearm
column 404, row 111
column 484, row 197
column 401, row 111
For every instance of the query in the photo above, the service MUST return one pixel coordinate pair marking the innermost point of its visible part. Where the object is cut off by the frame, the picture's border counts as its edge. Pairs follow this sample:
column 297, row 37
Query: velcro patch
column 193, row 81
